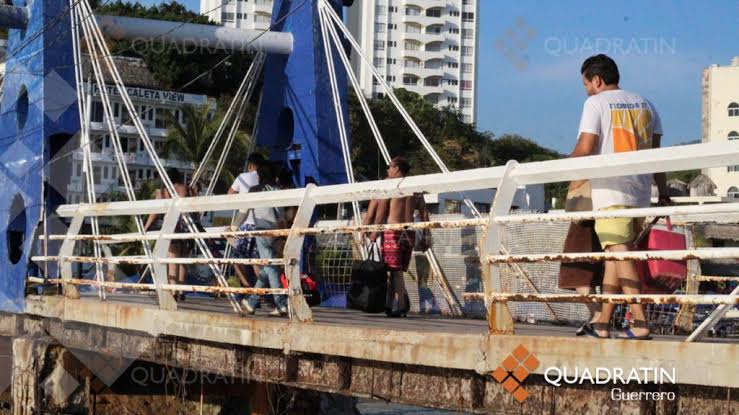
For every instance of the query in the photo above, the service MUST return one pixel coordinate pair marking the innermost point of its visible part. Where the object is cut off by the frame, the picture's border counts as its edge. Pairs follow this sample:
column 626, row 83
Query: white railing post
column 67, row 249
column 500, row 320
column 299, row 309
column 161, row 249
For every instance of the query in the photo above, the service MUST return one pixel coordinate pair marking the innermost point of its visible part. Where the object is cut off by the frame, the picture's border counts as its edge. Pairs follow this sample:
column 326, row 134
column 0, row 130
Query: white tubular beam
column 195, row 35
column 298, row 307
column 682, row 255
column 676, row 158
column 140, row 260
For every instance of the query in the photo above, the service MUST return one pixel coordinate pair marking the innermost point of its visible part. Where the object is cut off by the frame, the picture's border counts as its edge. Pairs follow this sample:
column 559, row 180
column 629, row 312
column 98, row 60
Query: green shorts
column 617, row 231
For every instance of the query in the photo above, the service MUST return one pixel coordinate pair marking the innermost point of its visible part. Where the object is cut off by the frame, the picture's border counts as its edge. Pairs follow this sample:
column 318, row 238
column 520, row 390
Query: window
column 453, row 48
column 379, row 45
column 468, row 16
column 262, row 18
column 467, row 50
column 454, row 13
column 733, row 192
column 453, row 30
column 452, row 206
column 452, row 65
column 412, row 45
column 379, row 28
column 107, row 141
column 467, row 85
column 392, row 9
column 432, row 82
column 96, row 174
column 452, row 82
column 412, row 28
column 239, row 16
column 392, row 26
column 378, row 62
column 466, row 103
column 411, row 63
column 410, row 80
column 391, row 44
column 97, row 111
column 433, row 12
column 161, row 118
column 391, row 78
column 452, row 100
column 467, row 67
column 79, row 170
column 380, row 10
column 105, row 172
column 733, row 109
column 391, row 61
column 227, row 16
column 482, row 207
column 733, row 135
column 412, row 11
column 116, row 109
column 468, row 33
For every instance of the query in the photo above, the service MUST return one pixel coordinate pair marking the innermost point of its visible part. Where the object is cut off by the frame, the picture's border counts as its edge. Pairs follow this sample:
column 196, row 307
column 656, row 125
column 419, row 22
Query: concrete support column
column 28, row 356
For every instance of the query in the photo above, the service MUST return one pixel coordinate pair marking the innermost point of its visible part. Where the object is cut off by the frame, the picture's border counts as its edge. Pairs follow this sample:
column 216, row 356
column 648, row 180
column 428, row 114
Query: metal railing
column 492, row 254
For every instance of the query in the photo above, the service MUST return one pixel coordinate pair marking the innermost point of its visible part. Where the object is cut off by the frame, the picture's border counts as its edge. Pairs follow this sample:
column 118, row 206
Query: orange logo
column 514, row 369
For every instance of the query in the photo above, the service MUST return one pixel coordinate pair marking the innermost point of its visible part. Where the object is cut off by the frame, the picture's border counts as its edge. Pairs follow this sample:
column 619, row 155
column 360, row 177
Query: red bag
column 662, row 276
column 309, row 286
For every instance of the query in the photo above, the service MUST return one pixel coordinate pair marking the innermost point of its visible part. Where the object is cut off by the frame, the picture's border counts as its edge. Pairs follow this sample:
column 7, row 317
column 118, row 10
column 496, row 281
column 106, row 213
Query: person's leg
column 631, row 284
column 593, row 308
column 610, row 286
column 262, row 282
column 264, row 248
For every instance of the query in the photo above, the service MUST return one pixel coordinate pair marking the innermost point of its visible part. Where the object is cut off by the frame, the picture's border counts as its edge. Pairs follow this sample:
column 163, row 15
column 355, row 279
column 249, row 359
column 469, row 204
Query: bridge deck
column 419, row 340
column 354, row 318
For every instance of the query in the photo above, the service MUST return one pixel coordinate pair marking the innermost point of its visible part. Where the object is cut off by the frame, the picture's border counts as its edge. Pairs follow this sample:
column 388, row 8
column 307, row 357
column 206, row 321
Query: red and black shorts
column 397, row 249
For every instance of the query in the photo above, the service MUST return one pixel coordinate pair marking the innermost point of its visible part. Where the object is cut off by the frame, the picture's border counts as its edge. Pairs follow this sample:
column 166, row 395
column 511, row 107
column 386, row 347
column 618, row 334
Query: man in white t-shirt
column 245, row 246
column 616, row 121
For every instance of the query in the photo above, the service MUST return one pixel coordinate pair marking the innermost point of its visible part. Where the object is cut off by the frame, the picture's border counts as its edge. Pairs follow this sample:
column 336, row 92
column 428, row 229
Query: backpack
column 368, row 289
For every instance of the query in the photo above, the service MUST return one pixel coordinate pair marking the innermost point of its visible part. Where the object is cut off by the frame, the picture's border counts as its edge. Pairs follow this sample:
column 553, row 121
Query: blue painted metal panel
column 40, row 63
column 297, row 120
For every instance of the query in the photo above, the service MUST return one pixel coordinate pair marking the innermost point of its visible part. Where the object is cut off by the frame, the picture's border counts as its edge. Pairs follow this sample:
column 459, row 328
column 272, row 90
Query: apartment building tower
column 721, row 120
column 429, row 47
column 241, row 14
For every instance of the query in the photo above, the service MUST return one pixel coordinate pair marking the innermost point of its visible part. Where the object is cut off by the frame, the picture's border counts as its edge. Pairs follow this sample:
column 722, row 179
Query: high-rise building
column 242, row 14
column 426, row 46
column 721, row 120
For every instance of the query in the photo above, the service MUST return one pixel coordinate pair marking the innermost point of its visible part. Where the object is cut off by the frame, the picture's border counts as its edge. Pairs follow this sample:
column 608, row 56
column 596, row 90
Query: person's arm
column 232, row 191
column 421, row 206
column 153, row 217
column 660, row 179
column 586, row 145
column 369, row 217
column 380, row 217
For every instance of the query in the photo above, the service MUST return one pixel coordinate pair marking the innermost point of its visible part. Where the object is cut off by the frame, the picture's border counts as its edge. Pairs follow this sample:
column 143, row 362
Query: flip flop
column 593, row 333
column 584, row 329
column 629, row 335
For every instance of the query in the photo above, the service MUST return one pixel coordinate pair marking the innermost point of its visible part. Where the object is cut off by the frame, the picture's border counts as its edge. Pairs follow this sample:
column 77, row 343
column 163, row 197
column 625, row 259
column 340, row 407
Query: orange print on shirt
column 632, row 129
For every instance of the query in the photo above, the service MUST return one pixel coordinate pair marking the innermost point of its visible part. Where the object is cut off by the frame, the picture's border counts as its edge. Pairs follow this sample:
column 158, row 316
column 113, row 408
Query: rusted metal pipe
column 166, row 287
column 676, row 255
column 707, row 278
column 609, row 298
column 143, row 261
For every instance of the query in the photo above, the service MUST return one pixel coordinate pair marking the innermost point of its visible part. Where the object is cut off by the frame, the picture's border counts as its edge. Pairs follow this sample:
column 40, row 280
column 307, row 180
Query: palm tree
column 189, row 140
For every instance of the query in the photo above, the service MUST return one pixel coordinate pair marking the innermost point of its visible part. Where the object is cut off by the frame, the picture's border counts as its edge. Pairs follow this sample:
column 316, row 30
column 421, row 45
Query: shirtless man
column 397, row 246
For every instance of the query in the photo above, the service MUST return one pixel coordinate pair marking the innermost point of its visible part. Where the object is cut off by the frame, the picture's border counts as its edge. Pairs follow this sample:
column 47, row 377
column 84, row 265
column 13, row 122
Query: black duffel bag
column 368, row 287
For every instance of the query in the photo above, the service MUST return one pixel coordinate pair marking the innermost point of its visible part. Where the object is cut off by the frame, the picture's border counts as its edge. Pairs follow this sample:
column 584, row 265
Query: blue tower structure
column 40, row 115
column 297, row 120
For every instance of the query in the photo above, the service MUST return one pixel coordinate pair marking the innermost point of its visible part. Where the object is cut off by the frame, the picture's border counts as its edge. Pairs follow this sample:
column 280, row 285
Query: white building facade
column 152, row 105
column 429, row 47
column 242, row 14
column 721, row 120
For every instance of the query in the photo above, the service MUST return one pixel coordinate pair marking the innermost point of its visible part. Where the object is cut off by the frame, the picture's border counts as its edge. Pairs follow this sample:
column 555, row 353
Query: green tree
column 175, row 65
column 189, row 141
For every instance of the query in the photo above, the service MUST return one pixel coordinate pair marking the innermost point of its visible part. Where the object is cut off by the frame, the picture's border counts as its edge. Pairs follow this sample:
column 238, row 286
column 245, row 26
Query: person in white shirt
column 245, row 247
column 616, row 121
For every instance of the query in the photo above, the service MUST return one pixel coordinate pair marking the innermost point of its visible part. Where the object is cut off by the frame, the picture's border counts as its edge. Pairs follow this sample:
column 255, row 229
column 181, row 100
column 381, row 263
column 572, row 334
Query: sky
column 530, row 54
